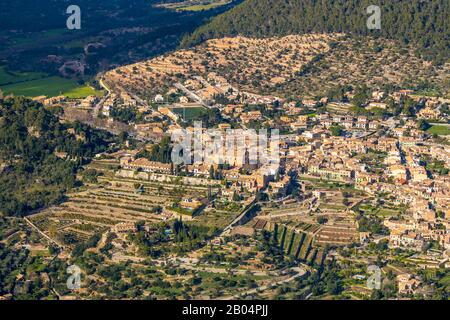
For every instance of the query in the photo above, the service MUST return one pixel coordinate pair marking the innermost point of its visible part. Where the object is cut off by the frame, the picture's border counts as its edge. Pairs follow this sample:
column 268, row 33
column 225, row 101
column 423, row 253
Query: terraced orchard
column 108, row 201
column 296, row 244
column 95, row 211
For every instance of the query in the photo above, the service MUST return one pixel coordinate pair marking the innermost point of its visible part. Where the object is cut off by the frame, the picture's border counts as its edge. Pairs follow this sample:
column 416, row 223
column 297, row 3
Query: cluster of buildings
column 384, row 157
column 145, row 165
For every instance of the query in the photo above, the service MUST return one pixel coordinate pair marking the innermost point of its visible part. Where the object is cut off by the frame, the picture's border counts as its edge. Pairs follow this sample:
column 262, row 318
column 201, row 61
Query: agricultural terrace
column 106, row 200
column 96, row 211
column 296, row 243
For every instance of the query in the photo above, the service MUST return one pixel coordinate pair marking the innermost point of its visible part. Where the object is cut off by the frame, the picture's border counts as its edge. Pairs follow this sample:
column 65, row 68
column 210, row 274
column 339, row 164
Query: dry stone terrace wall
column 339, row 234
column 161, row 178
column 96, row 211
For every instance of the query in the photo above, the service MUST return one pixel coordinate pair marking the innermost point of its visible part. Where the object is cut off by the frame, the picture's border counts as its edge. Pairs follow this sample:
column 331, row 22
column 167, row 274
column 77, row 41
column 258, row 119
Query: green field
column 7, row 77
column 80, row 43
column 439, row 130
column 189, row 113
column 50, row 86
column 30, row 38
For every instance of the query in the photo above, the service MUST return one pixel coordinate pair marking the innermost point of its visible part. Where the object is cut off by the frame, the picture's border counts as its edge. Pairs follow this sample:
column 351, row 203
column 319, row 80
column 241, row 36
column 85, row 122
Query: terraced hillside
column 337, row 234
column 291, row 66
column 298, row 245
column 95, row 211
column 245, row 62
column 111, row 200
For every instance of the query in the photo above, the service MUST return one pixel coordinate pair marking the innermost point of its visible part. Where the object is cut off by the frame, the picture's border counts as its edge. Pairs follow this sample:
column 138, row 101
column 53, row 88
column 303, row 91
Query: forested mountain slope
column 39, row 156
column 426, row 24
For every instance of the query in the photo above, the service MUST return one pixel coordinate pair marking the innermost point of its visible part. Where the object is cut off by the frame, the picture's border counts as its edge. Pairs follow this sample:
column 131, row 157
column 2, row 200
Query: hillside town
column 226, row 156
column 362, row 178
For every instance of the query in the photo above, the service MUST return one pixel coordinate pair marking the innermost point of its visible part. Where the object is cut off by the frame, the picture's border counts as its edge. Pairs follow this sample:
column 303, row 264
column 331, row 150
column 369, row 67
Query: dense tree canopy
column 39, row 155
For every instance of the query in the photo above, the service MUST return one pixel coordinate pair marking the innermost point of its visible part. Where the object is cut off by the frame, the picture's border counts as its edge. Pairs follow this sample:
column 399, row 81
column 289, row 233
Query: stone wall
column 162, row 178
